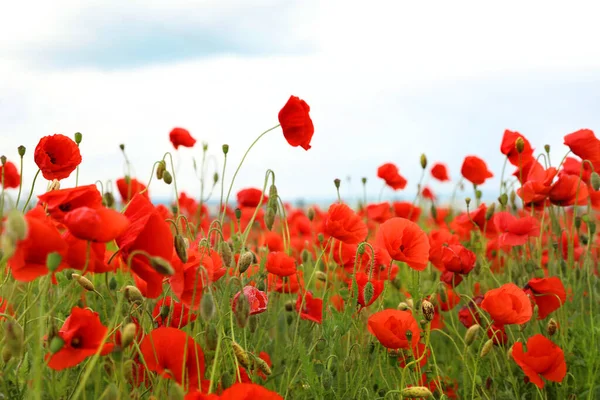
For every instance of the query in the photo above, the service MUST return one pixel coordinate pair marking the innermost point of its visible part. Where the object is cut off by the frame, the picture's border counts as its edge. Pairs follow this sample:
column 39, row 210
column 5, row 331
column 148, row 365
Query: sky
column 385, row 80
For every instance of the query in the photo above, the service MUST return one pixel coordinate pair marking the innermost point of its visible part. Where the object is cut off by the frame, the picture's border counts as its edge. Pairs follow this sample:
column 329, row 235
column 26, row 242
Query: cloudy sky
column 386, row 81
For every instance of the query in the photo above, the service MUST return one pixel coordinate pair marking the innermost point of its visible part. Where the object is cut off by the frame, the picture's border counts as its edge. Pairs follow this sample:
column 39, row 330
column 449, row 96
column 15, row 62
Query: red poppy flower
column 344, row 224
column 96, row 224
column 296, row 124
column 406, row 209
column 168, row 312
column 586, row 145
column 82, row 333
column 537, row 185
column 29, row 259
column 5, row 308
column 250, row 197
column 129, row 187
column 59, row 202
column 404, row 241
column 469, row 315
column 515, row 231
column 258, row 300
column 440, row 172
column 83, row 255
column 395, row 329
column 475, row 170
column 427, row 193
column 379, row 212
column 311, row 308
column 174, row 355
column 507, row 305
column 181, row 137
column 458, row 259
column 361, row 281
column 11, row 176
column 568, row 190
column 390, row 174
column 548, row 293
column 289, row 284
column 281, row 264
column 438, row 240
column 509, row 149
column 273, row 241
column 543, row 357
column 57, row 156
column 245, row 378
column 147, row 232
column 248, row 391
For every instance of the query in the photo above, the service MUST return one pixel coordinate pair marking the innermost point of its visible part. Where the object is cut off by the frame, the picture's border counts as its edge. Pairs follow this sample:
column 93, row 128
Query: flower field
column 108, row 295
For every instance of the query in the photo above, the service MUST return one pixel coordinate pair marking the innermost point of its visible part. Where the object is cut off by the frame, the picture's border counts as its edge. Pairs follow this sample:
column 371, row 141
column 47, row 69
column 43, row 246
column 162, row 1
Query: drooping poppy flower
column 404, row 241
column 257, row 299
column 96, row 224
column 361, row 280
column 395, row 329
column 309, row 307
column 457, row 259
column 181, row 137
column 390, row 174
column 57, row 156
column 515, row 231
column 9, row 175
column 249, row 391
column 250, row 197
column 61, row 201
column 343, row 224
column 508, row 148
column 440, row 172
column 406, row 209
column 281, row 264
column 507, row 305
column 568, row 190
column 29, row 259
column 475, row 170
column 174, row 354
column 147, row 232
column 296, row 124
column 129, row 187
column 83, row 334
column 85, row 256
column 168, row 312
column 543, row 357
column 585, row 145
column 548, row 293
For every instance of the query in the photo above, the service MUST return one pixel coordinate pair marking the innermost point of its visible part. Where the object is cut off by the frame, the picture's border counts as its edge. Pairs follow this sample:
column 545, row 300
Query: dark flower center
column 52, row 157
column 66, row 207
column 76, row 343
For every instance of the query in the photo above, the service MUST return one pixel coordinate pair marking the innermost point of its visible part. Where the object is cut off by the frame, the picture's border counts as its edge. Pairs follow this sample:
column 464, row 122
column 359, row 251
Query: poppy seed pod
column 225, row 149
column 337, row 182
column 240, row 354
column 21, row 149
column 552, row 327
column 238, row 213
column 84, row 282
column 128, row 334
column 471, row 334
column 245, row 260
column 215, row 178
column 122, row 147
column 310, row 214
column 3, row 160
column 133, row 294
column 423, row 161
column 428, row 310
column 520, row 145
column 416, row 392
column 108, row 199
column 503, row 199
column 468, row 201
column 78, row 137
column 595, row 181
column 167, row 177
column 289, row 306
column 181, row 248
column 207, row 306
column 487, row 347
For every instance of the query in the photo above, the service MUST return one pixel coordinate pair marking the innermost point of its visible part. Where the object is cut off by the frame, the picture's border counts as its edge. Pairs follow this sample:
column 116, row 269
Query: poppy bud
column 225, row 148
column 478, row 194
column 56, row 344
column 84, row 282
column 269, row 218
column 111, row 393
column 78, row 136
column 245, row 261
column 503, row 199
column 112, row 284
column 410, row 303
column 468, row 201
column 263, row 366
column 433, row 211
column 595, row 181
column 320, row 275
column 167, row 177
column 402, row 306
column 16, row 226
column 409, row 335
column 337, row 182
column 13, row 333
column 108, row 200
column 207, row 306
column 212, row 337
column 289, row 306
column 242, row 310
column 133, row 294
column 6, row 354
column 416, row 392
column 310, row 214
column 592, row 227
column 486, row 348
column 215, row 178
column 3, row 160
column 368, row 292
column 305, row 256
column 238, row 214
column 513, row 197
column 161, row 169
column 21, row 149
column 54, row 185
column 181, row 248
column 240, row 355
column 176, row 393
column 161, row 266
column 489, row 213
column 552, row 327
column 320, row 238
column 327, row 379
column 128, row 334
column 226, row 254
column 122, row 147
column 520, row 145
column 471, row 334
column 423, row 161
column 428, row 310
column 226, row 380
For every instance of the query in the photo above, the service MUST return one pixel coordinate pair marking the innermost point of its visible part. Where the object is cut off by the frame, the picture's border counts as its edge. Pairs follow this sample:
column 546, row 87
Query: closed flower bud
column 240, row 355
column 238, row 213
column 310, row 214
column 416, row 392
column 428, row 310
column 513, row 197
column 122, row 147
column 519, row 145
column 161, row 169
column 226, row 254
column 487, row 347
column 225, row 148
column 337, row 182
column 547, row 148
column 368, row 292
column 503, row 199
column 552, row 327
column 489, row 213
column 263, row 366
column 161, row 266
column 269, row 217
column 592, row 227
column 6, row 354
column 273, row 192
column 242, row 310
column 181, row 248
column 56, row 344
column 403, row 306
column 423, row 161
column 133, row 294
column 167, row 177
column 3, row 160
column 128, row 334
column 78, row 136
column 16, row 226
column 595, row 181
column 108, row 199
column 471, row 334
column 207, row 306
column 245, row 260
column 320, row 275
column 215, row 178
column 577, row 222
column 21, row 149
column 468, row 201
column 289, row 306
column 478, row 194
column 84, row 282
column 112, row 284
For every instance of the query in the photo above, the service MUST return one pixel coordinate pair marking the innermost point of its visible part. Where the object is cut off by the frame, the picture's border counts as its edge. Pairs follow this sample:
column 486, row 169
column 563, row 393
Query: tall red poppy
column 543, row 357
column 548, row 293
column 390, row 174
column 96, row 224
column 507, row 305
column 129, row 187
column 586, row 145
column 168, row 312
column 406, row 209
column 57, row 156
column 509, row 149
column 82, row 333
column 249, row 391
column 311, row 308
column 85, row 256
column 59, row 202
column 361, row 280
column 11, row 176
column 440, row 172
column 181, row 137
column 568, row 190
column 250, row 197
column 343, row 224
column 257, row 299
column 395, row 329
column 515, row 231
column 296, row 124
column 404, row 241
column 475, row 170
column 281, row 264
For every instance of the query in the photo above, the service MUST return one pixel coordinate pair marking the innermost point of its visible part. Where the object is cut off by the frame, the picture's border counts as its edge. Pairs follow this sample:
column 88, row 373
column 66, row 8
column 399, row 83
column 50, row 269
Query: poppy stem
column 20, row 184
column 31, row 191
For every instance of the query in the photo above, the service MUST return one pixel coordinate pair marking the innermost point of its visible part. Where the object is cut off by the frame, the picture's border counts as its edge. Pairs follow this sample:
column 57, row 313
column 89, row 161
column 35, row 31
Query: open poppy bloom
column 406, row 209
column 296, row 124
column 568, row 190
column 168, row 312
column 509, row 149
column 440, row 172
column 343, row 224
column 475, row 170
column 257, row 299
column 83, row 334
column 586, row 145
column 311, row 308
column 96, row 224
column 515, row 231
column 57, row 156
column 390, row 174
column 9, row 176
column 281, row 264
column 238, row 391
column 543, row 358
column 129, row 187
column 250, row 197
column 548, row 293
column 507, row 305
column 404, row 241
column 395, row 329
column 59, row 202
column 379, row 212
column 181, row 137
